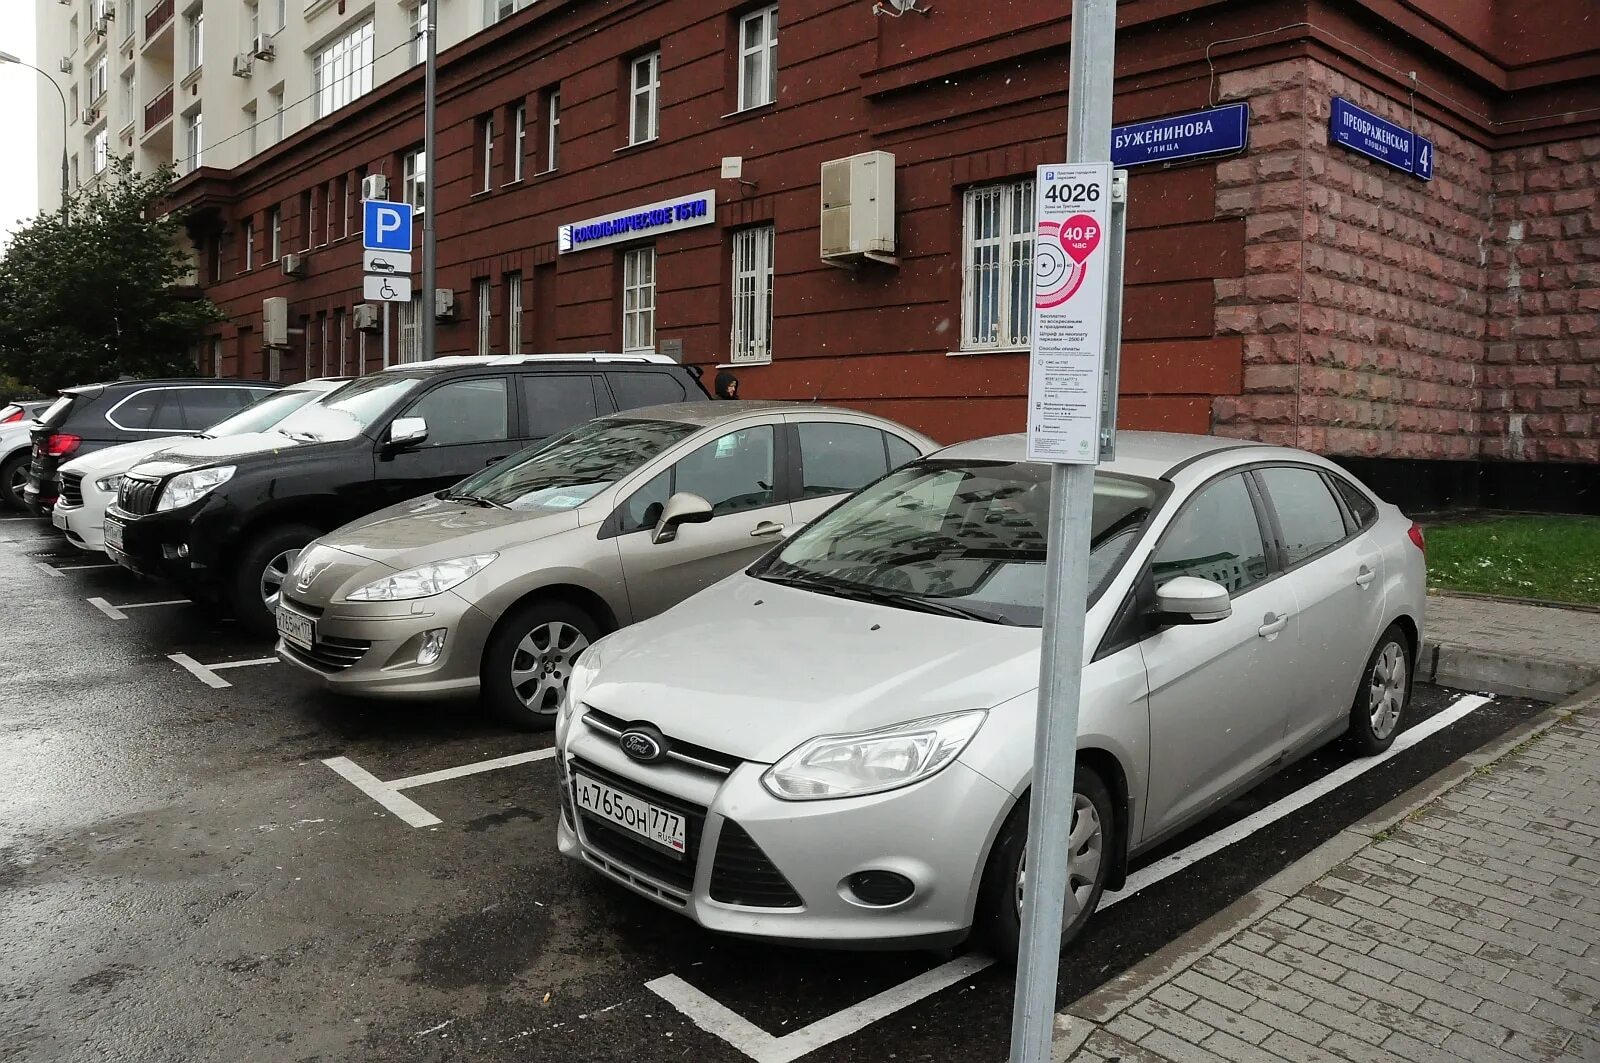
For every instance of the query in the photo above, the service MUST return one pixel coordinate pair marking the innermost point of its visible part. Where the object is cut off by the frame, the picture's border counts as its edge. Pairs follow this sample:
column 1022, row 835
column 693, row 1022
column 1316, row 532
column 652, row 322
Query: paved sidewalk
column 1464, row 928
column 1510, row 648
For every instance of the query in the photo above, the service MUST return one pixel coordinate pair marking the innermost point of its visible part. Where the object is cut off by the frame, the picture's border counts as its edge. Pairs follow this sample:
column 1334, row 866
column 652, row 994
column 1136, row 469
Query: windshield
column 942, row 535
column 347, row 412
column 571, row 469
column 262, row 415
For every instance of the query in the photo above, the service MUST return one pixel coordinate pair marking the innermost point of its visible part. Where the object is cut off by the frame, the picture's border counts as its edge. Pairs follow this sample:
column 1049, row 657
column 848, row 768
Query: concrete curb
column 1514, row 675
column 1087, row 1016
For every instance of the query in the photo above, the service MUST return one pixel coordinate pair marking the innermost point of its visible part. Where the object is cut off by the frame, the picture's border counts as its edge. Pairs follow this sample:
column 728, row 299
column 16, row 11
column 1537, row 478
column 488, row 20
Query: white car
column 89, row 483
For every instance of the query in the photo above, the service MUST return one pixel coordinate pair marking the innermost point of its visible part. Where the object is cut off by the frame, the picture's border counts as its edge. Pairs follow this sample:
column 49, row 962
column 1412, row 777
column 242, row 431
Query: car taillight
column 1416, row 537
column 11, row 418
column 60, row 444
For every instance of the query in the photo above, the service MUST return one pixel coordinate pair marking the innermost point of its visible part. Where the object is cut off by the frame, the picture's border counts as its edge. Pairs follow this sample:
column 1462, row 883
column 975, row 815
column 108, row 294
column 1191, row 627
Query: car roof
column 170, row 381
column 321, row 383
column 707, row 412
column 457, row 361
column 1153, row 455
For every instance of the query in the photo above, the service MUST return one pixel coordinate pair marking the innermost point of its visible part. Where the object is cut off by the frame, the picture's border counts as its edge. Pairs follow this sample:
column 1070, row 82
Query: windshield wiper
column 301, row 437
column 860, row 592
column 474, row 500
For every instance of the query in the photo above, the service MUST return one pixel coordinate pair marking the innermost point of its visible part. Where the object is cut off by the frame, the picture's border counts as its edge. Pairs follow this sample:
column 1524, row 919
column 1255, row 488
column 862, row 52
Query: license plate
column 651, row 822
column 297, row 629
column 59, row 519
column 113, row 531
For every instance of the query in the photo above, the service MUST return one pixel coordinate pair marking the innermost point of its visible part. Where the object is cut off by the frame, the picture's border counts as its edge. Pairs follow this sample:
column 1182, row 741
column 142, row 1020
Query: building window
column 76, row 180
column 283, row 14
column 495, row 10
column 344, row 199
column 644, row 95
column 250, row 126
column 419, row 33
column 330, row 214
column 758, row 58
column 214, row 257
column 552, row 128
column 997, row 257
column 252, row 23
column 410, row 330
column 247, row 237
column 486, row 130
column 195, row 26
column 275, row 102
column 344, row 341
column 413, row 181
column 274, row 234
column 129, row 96
column 102, row 151
column 481, row 294
column 193, row 141
column 342, row 70
column 98, row 81
column 513, row 282
column 752, row 295
column 519, row 139
column 639, row 299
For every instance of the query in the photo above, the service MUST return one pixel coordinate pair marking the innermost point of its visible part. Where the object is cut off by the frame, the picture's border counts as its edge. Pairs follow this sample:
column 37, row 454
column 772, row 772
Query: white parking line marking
column 472, row 769
column 763, row 1047
column 198, row 670
column 243, row 664
column 52, row 571
column 85, row 568
column 383, row 793
column 1236, row 832
column 115, row 612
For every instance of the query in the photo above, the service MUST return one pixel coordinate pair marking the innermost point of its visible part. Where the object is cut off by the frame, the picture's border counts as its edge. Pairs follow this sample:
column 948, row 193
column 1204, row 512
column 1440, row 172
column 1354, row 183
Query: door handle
column 766, row 528
column 1365, row 576
column 1271, row 624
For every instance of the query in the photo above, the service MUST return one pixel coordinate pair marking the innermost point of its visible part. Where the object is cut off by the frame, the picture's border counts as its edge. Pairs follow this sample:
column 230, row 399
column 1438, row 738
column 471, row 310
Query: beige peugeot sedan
column 498, row 583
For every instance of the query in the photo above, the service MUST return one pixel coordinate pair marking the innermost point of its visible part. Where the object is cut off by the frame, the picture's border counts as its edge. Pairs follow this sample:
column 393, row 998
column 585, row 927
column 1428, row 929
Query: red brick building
column 1296, row 291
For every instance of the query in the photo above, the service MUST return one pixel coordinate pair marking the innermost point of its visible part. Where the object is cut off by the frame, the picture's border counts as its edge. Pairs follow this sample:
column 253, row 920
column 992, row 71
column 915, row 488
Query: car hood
column 753, row 669
column 199, row 452
column 432, row 529
column 123, row 456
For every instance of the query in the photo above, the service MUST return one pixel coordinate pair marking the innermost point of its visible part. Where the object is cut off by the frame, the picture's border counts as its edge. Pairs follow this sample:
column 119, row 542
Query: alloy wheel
column 19, row 480
column 1387, row 695
column 542, row 664
column 273, row 577
column 1087, row 845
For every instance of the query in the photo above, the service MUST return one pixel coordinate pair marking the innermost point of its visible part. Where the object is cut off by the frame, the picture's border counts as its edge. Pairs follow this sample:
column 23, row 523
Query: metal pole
column 385, row 336
column 1047, row 902
column 430, row 89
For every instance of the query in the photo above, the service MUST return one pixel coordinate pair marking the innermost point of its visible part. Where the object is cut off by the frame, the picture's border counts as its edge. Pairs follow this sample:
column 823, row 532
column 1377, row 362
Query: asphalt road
column 182, row 877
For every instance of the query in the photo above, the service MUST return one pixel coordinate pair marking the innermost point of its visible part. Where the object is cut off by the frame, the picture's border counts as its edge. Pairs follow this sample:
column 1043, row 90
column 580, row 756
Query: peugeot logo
column 306, row 575
column 643, row 743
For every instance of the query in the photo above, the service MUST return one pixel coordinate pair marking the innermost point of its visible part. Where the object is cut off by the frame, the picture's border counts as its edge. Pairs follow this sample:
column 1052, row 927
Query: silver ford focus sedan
column 836, row 744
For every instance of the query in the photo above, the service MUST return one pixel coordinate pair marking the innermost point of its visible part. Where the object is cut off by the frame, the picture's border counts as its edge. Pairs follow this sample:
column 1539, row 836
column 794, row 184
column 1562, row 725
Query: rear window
column 57, row 412
column 634, row 390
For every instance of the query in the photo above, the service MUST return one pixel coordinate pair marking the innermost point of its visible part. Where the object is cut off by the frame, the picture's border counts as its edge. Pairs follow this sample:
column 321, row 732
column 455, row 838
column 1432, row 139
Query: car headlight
column 583, row 673
column 424, row 581
column 187, row 487
column 873, row 761
column 109, row 483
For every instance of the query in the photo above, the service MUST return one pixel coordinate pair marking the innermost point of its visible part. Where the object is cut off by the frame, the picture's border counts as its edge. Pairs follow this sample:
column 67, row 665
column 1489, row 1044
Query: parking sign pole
column 1046, row 900
column 430, row 89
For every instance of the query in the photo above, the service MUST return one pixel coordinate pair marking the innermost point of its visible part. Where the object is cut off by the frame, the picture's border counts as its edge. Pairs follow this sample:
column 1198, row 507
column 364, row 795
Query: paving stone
column 1176, row 1049
column 1305, row 1029
column 1211, row 989
column 1229, row 1021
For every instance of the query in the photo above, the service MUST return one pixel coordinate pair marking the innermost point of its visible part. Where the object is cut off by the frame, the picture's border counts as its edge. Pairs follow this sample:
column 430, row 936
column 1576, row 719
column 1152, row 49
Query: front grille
column 330, row 654
column 72, row 489
column 137, row 496
column 632, row 852
column 304, row 608
column 743, row 874
column 684, row 752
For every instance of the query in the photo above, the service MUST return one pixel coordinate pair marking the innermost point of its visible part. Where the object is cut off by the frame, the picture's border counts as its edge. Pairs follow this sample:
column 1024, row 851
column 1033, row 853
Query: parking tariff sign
column 1072, row 210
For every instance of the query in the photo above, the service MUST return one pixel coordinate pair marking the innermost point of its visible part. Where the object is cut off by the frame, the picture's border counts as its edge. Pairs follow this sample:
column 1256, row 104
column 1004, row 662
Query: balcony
column 158, row 111
column 158, row 16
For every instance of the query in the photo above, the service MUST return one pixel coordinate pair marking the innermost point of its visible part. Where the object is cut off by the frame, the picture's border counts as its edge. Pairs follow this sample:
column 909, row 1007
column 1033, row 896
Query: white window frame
column 487, row 127
column 496, row 10
column 274, row 234
column 513, row 283
column 639, row 299
column 194, row 25
column 194, row 145
column 252, row 23
column 762, row 89
column 644, row 92
column 482, row 292
column 99, row 80
column 344, row 340
column 249, row 257
column 275, row 97
column 997, row 266
column 251, row 127
column 410, row 332
column 341, row 70
column 102, row 150
column 413, row 180
column 419, row 33
column 519, row 140
column 322, row 322
column 753, row 257
column 552, row 130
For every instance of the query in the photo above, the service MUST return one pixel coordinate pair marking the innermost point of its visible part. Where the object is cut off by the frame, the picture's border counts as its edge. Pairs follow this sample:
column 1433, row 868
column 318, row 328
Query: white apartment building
column 213, row 82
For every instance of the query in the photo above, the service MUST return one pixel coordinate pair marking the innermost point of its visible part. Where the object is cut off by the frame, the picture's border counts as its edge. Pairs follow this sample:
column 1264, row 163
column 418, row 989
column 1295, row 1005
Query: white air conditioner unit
column 66, row 66
column 368, row 318
column 444, row 304
column 243, row 65
column 374, row 186
column 261, row 48
column 90, row 117
column 858, row 209
column 293, row 265
column 275, row 322
column 102, row 27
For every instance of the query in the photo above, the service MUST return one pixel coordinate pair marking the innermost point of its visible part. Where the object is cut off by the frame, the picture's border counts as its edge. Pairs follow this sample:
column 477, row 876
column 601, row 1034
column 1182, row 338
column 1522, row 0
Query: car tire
column 263, row 563
column 1383, row 696
column 10, row 487
column 999, row 916
column 529, row 659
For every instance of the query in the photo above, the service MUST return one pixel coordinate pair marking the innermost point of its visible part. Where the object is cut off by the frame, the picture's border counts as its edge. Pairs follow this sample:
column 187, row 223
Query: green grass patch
column 1554, row 558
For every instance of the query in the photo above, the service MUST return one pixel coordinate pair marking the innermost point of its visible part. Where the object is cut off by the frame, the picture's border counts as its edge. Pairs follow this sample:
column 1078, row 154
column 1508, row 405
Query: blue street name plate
column 1216, row 131
column 1380, row 139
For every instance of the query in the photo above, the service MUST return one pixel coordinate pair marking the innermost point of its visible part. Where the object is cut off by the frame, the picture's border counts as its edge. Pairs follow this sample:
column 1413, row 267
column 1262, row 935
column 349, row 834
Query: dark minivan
column 91, row 417
column 227, row 517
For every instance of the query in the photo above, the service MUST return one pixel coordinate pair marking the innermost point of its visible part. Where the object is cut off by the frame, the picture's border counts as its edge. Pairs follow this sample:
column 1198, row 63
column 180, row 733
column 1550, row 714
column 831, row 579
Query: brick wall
column 1541, row 373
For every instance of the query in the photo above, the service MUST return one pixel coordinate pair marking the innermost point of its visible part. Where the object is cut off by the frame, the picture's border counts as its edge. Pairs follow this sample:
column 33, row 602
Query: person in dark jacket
column 726, row 385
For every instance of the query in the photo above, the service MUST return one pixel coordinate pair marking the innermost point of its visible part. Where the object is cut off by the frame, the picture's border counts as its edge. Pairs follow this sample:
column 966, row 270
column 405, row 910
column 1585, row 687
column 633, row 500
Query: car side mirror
column 1192, row 600
column 407, row 432
column 681, row 508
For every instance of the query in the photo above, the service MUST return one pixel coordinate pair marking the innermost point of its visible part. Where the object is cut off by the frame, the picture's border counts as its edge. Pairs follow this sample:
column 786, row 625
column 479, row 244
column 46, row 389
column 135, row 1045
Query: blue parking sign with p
column 387, row 226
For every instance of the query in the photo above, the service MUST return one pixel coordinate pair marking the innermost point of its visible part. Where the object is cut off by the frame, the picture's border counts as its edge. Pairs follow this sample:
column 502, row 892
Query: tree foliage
column 94, row 291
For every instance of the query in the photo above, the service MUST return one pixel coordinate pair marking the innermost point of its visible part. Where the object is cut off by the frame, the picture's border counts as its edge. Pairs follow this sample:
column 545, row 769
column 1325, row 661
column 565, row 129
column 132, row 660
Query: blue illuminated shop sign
column 1215, row 131
column 670, row 215
column 1377, row 138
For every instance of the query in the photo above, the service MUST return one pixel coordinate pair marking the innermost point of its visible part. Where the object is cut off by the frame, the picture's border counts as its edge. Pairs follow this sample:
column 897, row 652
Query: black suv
column 226, row 517
column 92, row 417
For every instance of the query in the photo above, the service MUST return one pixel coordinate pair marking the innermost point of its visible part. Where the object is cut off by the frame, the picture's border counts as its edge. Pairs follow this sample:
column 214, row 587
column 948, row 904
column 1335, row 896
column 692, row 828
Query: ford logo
column 644, row 744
